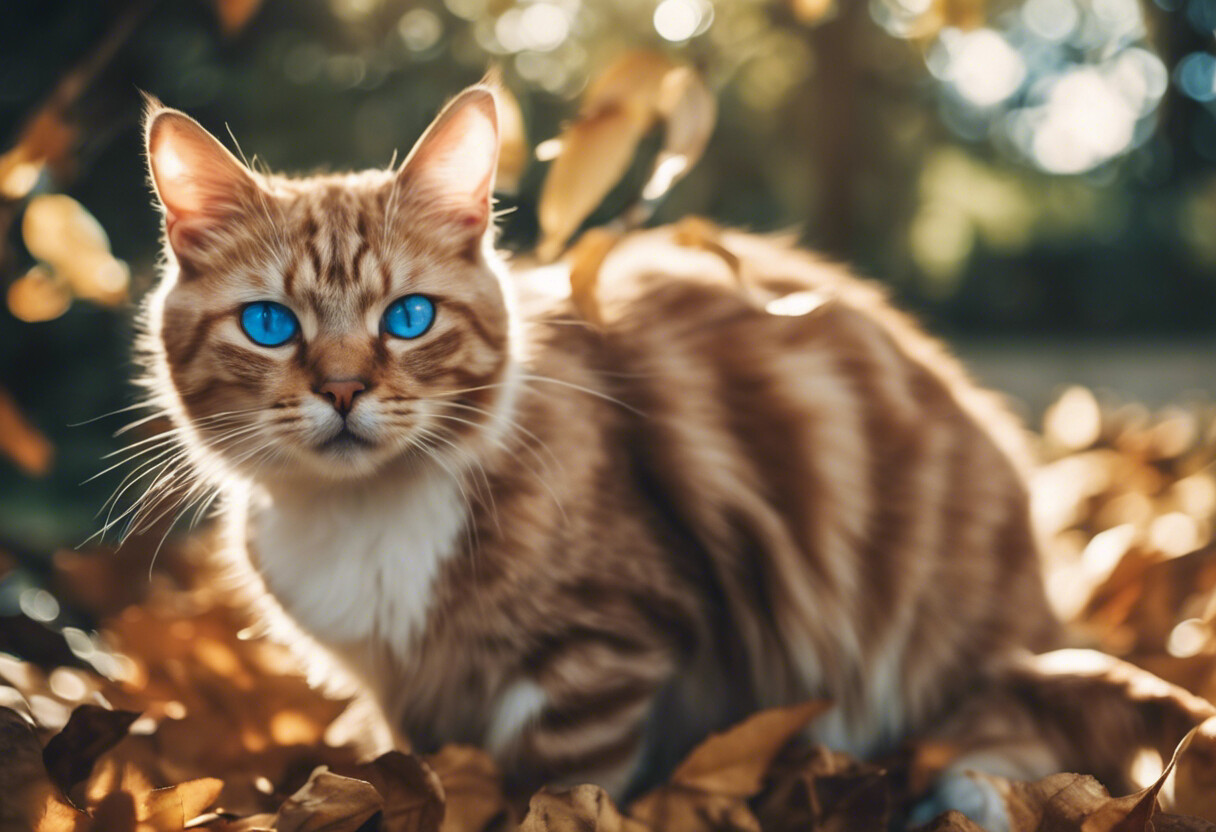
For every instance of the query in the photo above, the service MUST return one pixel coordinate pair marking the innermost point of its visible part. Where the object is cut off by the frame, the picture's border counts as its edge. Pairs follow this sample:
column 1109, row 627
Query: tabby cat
column 585, row 547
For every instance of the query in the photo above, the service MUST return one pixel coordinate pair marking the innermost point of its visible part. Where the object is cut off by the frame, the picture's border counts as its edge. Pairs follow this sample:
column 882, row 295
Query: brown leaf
column 21, row 441
column 413, row 794
column 586, row 256
column 692, row 810
column 1079, row 803
column 735, row 761
column 579, row 809
column 23, row 779
column 1190, row 789
column 115, row 813
column 47, row 139
column 328, row 803
column 472, row 785
column 1165, row 822
column 168, row 810
column 635, row 76
column 953, row 821
column 91, row 731
column 596, row 151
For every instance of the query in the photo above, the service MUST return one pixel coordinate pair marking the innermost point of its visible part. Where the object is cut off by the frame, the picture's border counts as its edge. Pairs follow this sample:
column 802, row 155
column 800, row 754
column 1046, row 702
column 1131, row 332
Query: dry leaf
column 579, row 809
column 23, row 779
column 413, row 795
column 953, row 821
column 61, row 233
column 596, row 152
column 47, row 139
column 90, row 732
column 635, row 76
column 328, row 803
column 692, row 810
column 689, row 112
column 20, row 441
column 115, row 813
column 38, row 296
column 1190, row 788
column 586, row 257
column 168, row 810
column 56, row 227
column 734, row 762
column 472, row 785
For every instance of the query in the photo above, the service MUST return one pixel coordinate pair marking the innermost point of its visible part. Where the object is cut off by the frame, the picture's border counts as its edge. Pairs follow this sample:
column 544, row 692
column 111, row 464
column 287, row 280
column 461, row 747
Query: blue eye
column 409, row 317
column 269, row 324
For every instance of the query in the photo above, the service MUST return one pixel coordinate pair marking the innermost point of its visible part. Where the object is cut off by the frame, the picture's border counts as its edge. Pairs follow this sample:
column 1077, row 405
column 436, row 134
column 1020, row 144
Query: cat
column 583, row 547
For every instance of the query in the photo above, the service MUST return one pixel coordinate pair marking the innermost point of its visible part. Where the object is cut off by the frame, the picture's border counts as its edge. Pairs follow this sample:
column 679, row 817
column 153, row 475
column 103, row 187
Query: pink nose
column 342, row 393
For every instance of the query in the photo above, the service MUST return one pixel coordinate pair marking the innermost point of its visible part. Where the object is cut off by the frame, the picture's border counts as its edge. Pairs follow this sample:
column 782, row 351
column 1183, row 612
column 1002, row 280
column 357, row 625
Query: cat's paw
column 974, row 798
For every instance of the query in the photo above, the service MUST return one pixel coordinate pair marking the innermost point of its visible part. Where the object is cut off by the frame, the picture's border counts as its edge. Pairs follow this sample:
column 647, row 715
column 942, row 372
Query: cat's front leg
column 580, row 719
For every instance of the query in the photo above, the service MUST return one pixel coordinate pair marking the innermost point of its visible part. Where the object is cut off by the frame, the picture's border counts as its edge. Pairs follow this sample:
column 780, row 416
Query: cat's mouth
column 345, row 440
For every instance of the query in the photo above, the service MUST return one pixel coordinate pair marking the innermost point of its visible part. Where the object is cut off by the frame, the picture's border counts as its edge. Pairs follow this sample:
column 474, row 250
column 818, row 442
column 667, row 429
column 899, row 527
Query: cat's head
column 331, row 325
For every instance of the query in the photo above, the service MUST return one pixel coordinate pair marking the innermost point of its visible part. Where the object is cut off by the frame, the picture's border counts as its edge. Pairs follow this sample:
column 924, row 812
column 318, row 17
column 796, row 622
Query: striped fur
column 585, row 548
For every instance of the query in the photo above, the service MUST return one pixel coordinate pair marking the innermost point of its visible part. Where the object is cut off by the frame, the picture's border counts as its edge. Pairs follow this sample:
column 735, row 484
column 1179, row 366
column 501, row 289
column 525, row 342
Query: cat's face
column 329, row 326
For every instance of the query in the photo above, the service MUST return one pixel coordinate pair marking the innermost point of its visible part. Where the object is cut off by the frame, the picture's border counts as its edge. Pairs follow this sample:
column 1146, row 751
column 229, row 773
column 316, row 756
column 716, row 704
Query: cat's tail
column 1099, row 714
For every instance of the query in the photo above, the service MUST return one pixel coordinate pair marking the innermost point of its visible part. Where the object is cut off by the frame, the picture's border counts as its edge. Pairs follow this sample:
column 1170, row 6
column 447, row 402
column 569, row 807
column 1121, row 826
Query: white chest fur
column 356, row 567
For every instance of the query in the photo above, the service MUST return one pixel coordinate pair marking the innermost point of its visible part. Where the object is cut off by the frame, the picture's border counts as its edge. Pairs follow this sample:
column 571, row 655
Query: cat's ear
column 199, row 183
column 449, row 175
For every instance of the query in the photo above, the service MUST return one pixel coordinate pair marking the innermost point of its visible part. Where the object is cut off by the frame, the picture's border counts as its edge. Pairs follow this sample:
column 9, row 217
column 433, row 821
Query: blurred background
column 1035, row 178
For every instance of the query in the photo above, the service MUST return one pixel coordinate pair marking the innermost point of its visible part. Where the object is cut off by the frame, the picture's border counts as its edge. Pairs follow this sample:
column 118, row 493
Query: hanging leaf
column 62, row 233
column 37, row 296
column 689, row 111
column 586, row 257
column 596, row 152
column 635, row 76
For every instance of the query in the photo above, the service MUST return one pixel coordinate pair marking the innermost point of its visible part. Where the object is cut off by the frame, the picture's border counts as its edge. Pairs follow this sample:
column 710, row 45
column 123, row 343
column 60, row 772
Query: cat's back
column 862, row 501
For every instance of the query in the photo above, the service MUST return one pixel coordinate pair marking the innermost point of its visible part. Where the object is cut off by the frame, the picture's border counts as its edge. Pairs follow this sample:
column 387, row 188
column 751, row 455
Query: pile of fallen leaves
column 173, row 714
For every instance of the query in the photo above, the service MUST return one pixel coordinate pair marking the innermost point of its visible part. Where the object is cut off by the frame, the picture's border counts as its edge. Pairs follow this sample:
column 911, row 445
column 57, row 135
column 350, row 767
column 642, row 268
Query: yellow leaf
column 57, row 228
column 37, row 296
column 596, row 152
column 734, row 762
column 172, row 808
column 635, row 76
column 586, row 257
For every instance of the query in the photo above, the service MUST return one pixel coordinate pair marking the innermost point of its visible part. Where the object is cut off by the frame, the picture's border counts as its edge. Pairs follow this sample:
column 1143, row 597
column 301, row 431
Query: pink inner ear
column 458, row 156
column 197, row 179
